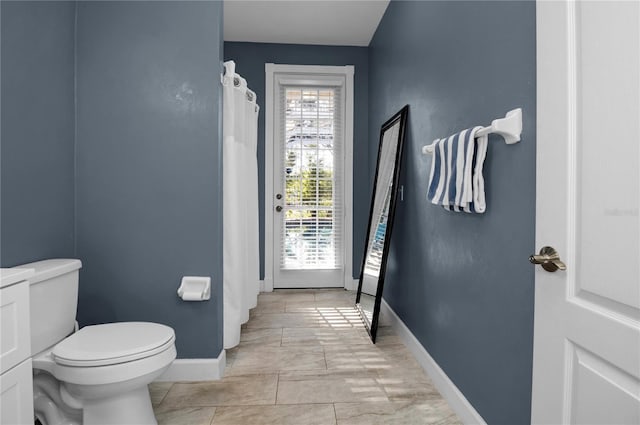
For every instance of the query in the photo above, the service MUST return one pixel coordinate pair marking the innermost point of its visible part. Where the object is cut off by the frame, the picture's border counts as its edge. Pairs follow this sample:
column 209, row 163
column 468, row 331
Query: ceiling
column 327, row 22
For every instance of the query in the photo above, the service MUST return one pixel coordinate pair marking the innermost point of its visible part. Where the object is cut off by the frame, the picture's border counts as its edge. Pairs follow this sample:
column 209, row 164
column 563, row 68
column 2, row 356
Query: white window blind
column 312, row 165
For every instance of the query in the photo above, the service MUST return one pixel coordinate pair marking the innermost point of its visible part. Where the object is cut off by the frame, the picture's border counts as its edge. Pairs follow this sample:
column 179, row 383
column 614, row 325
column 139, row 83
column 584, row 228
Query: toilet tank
column 53, row 299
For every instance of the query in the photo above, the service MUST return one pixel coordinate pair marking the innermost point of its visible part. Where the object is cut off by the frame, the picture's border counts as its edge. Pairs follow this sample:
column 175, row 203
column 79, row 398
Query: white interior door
column 311, row 174
column 586, row 363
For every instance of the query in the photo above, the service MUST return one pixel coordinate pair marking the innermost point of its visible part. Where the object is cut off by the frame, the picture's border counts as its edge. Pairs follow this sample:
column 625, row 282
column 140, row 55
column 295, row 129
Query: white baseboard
column 194, row 370
column 441, row 381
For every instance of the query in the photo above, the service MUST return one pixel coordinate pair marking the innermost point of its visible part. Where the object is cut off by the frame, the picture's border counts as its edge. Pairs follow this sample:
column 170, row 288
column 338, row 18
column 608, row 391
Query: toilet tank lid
column 47, row 269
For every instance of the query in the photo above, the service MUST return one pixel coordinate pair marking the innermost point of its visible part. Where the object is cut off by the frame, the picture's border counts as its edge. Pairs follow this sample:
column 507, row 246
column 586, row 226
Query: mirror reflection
column 380, row 219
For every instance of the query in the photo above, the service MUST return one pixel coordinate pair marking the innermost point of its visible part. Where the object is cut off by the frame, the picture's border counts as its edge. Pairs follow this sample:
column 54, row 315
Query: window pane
column 312, row 229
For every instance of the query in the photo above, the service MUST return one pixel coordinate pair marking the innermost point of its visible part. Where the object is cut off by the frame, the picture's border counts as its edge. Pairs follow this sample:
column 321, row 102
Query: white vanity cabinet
column 16, row 378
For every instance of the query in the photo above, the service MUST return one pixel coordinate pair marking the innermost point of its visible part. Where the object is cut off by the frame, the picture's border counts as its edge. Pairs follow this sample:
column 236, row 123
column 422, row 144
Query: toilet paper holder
column 195, row 288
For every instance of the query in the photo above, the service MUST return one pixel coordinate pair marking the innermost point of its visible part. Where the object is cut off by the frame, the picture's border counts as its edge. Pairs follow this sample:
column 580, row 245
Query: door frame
column 271, row 71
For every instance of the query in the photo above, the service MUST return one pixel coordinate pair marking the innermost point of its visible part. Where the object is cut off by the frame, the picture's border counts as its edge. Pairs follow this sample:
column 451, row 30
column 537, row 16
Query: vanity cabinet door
column 16, row 397
column 15, row 336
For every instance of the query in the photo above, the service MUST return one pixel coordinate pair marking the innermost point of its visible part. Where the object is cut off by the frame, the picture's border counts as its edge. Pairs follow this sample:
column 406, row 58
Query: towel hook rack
column 509, row 127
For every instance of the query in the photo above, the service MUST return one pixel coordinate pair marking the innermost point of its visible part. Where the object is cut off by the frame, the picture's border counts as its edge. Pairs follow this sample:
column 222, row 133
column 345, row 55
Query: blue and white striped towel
column 456, row 180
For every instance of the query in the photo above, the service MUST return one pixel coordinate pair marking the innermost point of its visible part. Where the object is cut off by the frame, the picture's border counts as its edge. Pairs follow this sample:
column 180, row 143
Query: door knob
column 549, row 259
column 278, row 208
column 279, row 196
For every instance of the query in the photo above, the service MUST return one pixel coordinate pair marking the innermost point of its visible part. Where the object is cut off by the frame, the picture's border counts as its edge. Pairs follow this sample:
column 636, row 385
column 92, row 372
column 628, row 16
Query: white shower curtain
column 240, row 203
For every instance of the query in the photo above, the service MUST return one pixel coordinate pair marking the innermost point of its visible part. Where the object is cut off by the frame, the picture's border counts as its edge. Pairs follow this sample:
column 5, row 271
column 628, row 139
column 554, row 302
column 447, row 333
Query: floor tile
column 408, row 387
column 158, row 390
column 185, row 415
column 335, row 294
column 262, row 337
column 392, row 413
column 386, row 336
column 324, row 336
column 287, row 295
column 451, row 420
column 315, row 319
column 274, row 359
column 305, row 358
column 370, row 357
column 345, row 306
column 269, row 306
column 230, row 391
column 300, row 414
column 329, row 387
column 281, row 320
column 231, row 354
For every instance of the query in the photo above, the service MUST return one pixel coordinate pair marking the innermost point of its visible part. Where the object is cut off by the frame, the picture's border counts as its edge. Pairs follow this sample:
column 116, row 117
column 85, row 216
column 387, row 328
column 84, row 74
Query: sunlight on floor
column 305, row 358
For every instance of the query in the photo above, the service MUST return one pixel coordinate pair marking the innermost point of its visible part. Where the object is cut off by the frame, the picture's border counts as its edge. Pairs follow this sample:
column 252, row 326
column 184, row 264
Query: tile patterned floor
column 304, row 359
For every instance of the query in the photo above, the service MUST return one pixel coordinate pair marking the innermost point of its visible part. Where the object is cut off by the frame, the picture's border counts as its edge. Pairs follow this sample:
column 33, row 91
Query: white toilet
column 99, row 374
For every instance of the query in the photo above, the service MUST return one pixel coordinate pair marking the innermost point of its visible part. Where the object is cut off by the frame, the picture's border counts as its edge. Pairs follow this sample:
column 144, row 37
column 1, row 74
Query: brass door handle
column 278, row 208
column 549, row 259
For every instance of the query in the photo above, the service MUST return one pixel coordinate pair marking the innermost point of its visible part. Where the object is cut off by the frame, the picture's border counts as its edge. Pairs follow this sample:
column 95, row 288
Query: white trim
column 348, row 176
column 268, row 172
column 266, row 285
column 446, row 387
column 195, row 370
column 348, row 72
column 351, row 284
column 309, row 69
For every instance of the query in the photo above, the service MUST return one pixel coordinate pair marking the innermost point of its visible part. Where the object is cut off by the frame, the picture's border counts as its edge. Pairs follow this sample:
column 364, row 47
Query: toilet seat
column 109, row 354
column 103, row 375
column 113, row 343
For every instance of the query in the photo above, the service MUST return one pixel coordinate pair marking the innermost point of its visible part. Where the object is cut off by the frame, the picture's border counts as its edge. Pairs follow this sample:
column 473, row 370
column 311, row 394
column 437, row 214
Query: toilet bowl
column 99, row 374
column 104, row 371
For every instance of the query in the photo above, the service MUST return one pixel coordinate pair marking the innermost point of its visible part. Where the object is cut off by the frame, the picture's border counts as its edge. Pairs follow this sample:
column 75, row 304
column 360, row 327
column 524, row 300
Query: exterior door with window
column 309, row 197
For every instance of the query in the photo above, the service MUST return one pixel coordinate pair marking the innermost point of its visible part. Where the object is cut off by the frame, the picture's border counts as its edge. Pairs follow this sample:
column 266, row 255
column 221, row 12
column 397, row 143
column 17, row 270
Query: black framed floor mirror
column 381, row 213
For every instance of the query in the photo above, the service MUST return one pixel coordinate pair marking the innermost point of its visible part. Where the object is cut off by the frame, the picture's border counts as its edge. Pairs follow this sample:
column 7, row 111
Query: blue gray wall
column 37, row 136
column 462, row 283
column 250, row 59
column 148, row 165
